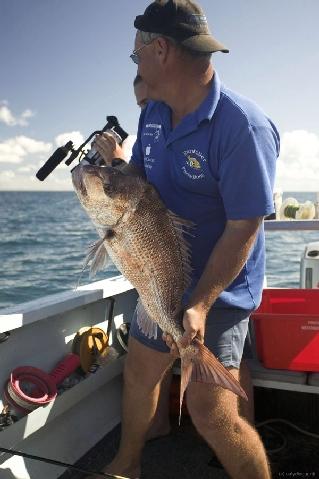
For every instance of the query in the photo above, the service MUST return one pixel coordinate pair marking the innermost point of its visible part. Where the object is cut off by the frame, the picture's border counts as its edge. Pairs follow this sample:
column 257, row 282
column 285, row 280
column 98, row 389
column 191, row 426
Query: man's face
column 148, row 67
column 140, row 91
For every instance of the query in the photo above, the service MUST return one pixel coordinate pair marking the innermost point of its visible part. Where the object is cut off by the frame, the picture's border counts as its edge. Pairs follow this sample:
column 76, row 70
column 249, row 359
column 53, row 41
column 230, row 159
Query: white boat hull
column 41, row 334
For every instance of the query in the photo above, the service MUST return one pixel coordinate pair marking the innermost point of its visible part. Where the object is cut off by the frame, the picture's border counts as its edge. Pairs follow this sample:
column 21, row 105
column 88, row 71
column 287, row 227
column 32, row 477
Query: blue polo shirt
column 217, row 164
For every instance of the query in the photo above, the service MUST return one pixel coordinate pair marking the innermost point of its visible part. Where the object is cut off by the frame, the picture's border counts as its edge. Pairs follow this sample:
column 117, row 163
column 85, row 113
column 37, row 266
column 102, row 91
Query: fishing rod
column 12, row 452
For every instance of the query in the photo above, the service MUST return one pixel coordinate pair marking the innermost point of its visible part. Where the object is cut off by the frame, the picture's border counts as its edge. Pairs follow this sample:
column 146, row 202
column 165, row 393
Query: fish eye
column 107, row 188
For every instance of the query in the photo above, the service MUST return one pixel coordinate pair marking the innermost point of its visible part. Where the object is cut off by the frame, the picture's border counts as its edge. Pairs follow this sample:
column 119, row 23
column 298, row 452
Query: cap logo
column 197, row 19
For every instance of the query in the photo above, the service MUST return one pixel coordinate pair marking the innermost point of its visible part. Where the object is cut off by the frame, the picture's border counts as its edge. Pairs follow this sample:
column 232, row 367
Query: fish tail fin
column 207, row 369
column 186, row 374
column 204, row 367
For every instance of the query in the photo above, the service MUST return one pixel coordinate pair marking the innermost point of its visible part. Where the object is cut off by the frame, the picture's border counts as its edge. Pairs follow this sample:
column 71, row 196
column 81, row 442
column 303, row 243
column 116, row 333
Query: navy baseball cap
column 182, row 20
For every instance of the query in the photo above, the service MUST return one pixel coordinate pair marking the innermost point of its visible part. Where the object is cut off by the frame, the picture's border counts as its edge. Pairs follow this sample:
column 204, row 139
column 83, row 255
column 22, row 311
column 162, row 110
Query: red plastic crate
column 287, row 329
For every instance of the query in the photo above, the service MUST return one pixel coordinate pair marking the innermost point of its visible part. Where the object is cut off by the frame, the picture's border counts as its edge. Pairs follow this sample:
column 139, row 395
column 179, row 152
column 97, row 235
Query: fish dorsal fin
column 145, row 323
column 97, row 257
column 183, row 227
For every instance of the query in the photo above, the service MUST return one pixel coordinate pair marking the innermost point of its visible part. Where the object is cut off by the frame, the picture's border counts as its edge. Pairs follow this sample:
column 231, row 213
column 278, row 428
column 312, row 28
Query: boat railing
column 293, row 225
column 39, row 309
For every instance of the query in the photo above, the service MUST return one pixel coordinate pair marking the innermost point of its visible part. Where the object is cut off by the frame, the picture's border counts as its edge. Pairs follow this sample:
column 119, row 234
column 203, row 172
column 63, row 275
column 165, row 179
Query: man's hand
column 107, row 147
column 194, row 321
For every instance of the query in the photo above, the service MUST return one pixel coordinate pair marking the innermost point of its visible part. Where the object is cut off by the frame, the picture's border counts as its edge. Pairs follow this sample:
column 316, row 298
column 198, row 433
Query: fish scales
column 147, row 250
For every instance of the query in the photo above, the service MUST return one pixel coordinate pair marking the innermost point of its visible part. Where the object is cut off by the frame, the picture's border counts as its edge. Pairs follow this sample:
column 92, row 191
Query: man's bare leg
column 214, row 412
column 160, row 425
column 246, row 408
column 144, row 369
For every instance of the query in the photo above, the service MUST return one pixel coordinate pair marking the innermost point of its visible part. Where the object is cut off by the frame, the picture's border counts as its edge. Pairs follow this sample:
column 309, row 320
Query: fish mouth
column 84, row 177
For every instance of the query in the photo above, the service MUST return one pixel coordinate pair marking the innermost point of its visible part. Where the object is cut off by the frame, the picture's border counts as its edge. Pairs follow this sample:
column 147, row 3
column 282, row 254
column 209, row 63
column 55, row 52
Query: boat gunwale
column 20, row 315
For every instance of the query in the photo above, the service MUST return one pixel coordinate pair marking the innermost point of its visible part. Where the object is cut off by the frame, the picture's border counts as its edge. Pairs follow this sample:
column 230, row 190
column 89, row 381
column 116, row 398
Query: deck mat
column 184, row 455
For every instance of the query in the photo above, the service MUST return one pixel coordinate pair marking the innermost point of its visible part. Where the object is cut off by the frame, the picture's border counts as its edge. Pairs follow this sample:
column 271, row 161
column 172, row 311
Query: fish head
column 105, row 192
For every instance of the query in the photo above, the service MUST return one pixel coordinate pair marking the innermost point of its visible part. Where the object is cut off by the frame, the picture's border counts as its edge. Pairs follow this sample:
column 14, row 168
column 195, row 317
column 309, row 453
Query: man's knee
column 212, row 407
column 217, row 427
column 211, row 421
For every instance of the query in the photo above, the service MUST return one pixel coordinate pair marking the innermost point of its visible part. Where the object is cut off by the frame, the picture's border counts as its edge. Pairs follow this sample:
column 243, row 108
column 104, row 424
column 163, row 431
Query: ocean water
column 44, row 237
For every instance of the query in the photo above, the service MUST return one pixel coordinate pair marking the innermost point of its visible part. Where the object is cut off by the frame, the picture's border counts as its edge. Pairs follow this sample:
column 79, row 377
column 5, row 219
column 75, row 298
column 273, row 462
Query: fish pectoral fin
column 97, row 257
column 145, row 323
column 207, row 369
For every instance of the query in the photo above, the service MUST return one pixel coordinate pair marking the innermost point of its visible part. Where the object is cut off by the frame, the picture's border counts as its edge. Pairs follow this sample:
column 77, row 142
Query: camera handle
column 112, row 124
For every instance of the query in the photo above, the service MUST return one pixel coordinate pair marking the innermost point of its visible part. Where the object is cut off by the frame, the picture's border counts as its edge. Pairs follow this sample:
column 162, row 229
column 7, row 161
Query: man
column 110, row 150
column 211, row 155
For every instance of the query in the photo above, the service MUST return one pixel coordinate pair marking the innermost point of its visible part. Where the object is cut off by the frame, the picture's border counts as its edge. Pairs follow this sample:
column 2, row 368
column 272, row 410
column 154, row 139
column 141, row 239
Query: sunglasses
column 134, row 56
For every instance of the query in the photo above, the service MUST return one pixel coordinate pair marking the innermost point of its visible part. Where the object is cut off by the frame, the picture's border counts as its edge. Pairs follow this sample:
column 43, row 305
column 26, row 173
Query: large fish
column 147, row 244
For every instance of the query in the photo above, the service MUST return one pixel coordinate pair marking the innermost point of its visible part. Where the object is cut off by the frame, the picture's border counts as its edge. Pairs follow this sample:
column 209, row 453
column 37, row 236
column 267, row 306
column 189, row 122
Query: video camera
column 112, row 126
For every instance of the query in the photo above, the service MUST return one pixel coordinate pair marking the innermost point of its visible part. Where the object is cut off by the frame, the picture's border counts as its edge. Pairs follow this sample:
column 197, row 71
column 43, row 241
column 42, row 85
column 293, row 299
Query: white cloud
column 24, row 181
column 74, row 136
column 298, row 164
column 7, row 117
column 7, row 174
column 22, row 157
column 24, row 169
column 14, row 150
column 297, row 167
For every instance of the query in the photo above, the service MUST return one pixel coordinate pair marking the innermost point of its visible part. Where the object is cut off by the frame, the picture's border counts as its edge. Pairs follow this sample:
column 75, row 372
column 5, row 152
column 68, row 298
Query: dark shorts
column 226, row 331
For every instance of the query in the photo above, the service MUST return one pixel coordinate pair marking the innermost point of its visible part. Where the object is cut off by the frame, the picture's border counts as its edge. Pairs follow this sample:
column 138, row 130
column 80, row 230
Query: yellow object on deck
column 89, row 344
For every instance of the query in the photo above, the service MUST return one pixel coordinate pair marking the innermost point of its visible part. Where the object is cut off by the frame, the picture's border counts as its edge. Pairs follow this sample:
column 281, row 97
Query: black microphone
column 54, row 160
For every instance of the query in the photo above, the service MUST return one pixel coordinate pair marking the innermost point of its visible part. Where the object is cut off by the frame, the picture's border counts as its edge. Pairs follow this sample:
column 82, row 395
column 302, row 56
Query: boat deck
column 184, row 455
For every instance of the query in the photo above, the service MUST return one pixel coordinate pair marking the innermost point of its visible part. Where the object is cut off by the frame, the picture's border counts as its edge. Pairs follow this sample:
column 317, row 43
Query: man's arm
column 224, row 264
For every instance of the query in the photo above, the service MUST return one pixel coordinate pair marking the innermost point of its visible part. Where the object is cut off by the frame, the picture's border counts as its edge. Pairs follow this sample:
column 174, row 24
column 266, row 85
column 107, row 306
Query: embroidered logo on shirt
column 157, row 135
column 155, row 131
column 193, row 163
column 148, row 161
column 193, row 166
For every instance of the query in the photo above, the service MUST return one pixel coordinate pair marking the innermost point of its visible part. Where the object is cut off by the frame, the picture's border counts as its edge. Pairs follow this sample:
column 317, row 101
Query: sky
column 64, row 66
